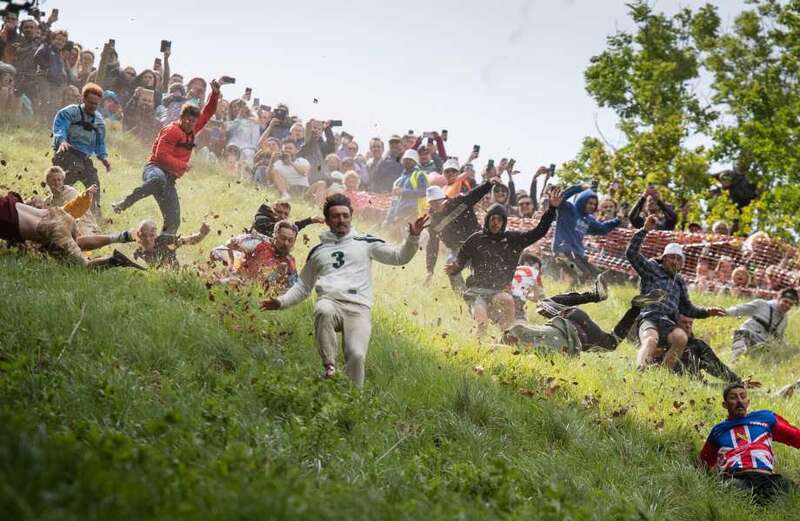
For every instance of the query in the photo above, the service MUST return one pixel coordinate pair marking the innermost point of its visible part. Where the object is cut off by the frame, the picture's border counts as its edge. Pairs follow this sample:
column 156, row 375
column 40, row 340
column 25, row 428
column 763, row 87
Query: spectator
column 78, row 134
column 196, row 91
column 457, row 182
column 9, row 37
column 244, row 133
column 111, row 109
column 376, row 150
column 740, row 190
column 721, row 228
column 175, row 101
column 298, row 133
column 85, row 66
column 315, row 149
column 24, row 62
column 408, row 191
column 288, row 173
column 71, row 95
column 389, row 168
column 351, row 152
column 140, row 116
column 650, row 203
column 10, row 103
column 51, row 71
column 279, row 124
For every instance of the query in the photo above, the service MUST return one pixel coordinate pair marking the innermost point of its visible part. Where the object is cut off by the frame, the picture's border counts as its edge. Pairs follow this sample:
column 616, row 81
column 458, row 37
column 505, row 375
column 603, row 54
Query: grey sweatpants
column 355, row 323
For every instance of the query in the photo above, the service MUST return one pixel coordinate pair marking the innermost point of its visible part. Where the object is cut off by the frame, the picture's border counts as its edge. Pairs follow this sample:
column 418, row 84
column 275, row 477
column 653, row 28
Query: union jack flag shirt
column 746, row 443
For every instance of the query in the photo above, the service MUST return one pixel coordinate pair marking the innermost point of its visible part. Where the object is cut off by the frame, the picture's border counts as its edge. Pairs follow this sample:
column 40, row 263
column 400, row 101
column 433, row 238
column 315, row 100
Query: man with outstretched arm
column 340, row 269
column 740, row 448
column 492, row 254
column 659, row 322
column 453, row 220
column 78, row 134
column 169, row 161
column 768, row 320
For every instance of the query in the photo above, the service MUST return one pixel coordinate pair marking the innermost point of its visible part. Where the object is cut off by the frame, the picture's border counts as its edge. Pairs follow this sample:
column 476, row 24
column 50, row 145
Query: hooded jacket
column 493, row 257
column 265, row 220
column 340, row 268
column 573, row 223
column 454, row 223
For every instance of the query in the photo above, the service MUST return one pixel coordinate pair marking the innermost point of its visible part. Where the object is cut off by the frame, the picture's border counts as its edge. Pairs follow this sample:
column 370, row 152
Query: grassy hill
column 152, row 396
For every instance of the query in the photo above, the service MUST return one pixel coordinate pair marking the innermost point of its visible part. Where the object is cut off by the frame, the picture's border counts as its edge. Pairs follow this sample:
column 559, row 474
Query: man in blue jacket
column 573, row 222
column 78, row 134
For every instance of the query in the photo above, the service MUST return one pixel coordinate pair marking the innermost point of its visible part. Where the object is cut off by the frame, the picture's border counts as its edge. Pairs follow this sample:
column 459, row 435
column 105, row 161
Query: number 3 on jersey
column 339, row 256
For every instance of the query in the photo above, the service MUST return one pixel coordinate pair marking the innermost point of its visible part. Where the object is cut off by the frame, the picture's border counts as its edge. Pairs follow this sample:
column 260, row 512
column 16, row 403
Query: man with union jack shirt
column 740, row 448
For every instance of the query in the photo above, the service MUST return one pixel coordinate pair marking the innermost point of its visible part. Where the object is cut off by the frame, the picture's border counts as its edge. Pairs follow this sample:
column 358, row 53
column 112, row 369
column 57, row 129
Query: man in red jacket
column 169, row 161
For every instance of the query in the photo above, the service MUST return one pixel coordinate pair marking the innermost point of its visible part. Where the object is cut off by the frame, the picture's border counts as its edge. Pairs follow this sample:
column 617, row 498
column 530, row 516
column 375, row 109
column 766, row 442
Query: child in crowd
column 724, row 271
column 740, row 281
column 702, row 276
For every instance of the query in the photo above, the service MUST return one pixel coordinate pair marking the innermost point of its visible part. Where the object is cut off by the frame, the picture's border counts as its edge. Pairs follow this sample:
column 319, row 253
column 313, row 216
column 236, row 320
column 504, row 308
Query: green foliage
column 750, row 112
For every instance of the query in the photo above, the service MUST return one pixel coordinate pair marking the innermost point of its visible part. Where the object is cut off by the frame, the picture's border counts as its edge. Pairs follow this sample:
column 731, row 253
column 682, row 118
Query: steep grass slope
column 148, row 395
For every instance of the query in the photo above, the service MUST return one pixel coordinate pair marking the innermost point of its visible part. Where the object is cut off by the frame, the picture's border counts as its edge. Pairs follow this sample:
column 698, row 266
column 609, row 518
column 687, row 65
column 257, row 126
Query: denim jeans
column 160, row 185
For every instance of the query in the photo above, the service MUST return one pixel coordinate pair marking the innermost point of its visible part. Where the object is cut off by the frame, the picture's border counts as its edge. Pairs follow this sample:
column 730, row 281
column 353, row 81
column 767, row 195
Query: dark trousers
column 765, row 487
column 579, row 269
column 161, row 186
column 699, row 356
column 592, row 335
column 79, row 167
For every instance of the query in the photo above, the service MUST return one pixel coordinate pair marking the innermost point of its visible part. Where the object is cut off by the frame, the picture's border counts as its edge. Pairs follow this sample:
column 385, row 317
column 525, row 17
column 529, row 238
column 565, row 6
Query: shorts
column 9, row 218
column 663, row 324
column 480, row 296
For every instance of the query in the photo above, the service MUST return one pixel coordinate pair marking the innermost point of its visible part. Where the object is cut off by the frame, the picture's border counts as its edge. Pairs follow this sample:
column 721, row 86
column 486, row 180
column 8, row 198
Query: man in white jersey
column 340, row 269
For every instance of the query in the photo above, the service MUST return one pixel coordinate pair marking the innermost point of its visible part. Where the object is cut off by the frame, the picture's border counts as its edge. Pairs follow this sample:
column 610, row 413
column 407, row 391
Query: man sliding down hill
column 55, row 230
column 493, row 254
column 340, row 269
column 659, row 327
column 169, row 161
column 740, row 448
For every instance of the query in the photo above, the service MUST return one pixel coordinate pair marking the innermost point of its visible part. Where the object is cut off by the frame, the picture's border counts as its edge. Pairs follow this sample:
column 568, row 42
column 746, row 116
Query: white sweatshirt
column 761, row 311
column 340, row 268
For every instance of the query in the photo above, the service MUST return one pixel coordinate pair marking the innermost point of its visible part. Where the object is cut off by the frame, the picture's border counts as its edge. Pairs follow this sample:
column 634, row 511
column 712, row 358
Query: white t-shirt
column 297, row 176
column 525, row 278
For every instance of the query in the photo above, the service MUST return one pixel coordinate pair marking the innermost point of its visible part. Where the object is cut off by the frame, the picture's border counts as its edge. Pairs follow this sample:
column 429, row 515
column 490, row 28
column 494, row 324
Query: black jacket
column 454, row 224
column 494, row 257
column 666, row 224
column 265, row 220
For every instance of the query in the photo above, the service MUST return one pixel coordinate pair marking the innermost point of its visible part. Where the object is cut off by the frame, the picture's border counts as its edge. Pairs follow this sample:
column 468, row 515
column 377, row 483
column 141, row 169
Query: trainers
column 330, row 371
column 118, row 207
column 120, row 260
column 601, row 286
column 648, row 299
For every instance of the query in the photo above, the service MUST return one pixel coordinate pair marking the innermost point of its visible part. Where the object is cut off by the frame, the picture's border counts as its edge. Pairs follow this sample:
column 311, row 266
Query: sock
column 122, row 237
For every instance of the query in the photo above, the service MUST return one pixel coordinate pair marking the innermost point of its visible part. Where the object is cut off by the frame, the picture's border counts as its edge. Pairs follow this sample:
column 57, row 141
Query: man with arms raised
column 740, row 448
column 659, row 325
column 169, row 161
column 340, row 269
column 492, row 254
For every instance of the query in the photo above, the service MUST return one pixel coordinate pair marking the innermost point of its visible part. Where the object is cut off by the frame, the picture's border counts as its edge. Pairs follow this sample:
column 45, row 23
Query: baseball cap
column 673, row 248
column 411, row 154
column 434, row 193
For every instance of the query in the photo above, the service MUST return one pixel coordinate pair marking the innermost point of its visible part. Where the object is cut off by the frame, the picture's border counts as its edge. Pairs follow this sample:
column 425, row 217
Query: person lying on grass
column 54, row 229
column 340, row 269
column 768, row 321
column 658, row 326
column 270, row 262
column 740, row 448
column 572, row 330
column 158, row 250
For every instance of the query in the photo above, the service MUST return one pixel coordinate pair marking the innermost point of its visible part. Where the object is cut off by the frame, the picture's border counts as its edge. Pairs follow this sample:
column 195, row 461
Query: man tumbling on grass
column 340, row 269
column 740, row 448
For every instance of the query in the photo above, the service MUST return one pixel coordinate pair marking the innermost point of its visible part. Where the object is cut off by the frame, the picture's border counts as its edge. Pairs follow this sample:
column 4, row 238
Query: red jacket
column 172, row 158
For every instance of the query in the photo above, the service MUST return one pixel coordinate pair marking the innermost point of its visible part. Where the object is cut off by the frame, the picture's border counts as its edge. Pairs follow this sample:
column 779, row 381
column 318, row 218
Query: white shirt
column 340, row 268
column 294, row 176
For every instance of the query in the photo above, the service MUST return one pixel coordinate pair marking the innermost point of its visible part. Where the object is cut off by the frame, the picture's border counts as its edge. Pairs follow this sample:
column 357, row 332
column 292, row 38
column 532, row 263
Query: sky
column 505, row 75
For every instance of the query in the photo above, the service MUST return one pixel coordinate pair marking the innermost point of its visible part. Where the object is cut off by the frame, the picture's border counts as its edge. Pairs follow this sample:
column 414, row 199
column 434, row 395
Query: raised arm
column 474, row 196
column 601, row 227
column 634, row 215
column 670, row 217
column 541, row 229
column 633, row 253
column 195, row 237
column 394, row 255
column 210, row 109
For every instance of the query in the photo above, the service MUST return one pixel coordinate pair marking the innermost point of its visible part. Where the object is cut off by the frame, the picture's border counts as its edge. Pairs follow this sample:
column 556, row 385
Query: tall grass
column 149, row 395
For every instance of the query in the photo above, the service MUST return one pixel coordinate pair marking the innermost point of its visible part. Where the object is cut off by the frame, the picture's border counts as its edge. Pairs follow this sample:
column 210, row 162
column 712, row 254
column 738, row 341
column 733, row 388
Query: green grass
column 148, row 395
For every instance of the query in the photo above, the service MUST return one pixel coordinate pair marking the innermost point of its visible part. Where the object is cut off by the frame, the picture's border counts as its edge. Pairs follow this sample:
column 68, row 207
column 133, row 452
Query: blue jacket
column 572, row 223
column 85, row 132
